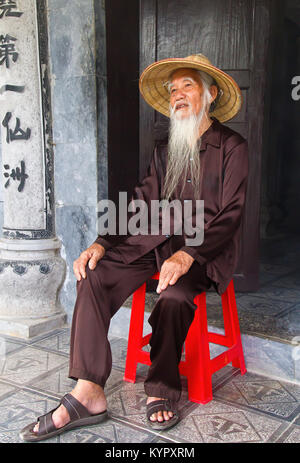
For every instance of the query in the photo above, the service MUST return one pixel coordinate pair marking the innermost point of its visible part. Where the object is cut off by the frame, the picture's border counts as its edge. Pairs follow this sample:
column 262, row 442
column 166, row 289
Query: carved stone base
column 26, row 328
column 31, row 274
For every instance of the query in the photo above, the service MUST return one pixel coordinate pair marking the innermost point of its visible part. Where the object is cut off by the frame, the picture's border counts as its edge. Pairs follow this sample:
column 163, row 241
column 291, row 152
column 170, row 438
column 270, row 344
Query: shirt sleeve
column 145, row 190
column 219, row 231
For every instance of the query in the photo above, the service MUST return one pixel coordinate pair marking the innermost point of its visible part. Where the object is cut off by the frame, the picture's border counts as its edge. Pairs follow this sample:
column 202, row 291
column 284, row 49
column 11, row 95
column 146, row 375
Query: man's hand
column 92, row 254
column 173, row 268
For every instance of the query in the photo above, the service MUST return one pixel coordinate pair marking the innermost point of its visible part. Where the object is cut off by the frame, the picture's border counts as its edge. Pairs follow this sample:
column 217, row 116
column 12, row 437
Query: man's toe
column 160, row 416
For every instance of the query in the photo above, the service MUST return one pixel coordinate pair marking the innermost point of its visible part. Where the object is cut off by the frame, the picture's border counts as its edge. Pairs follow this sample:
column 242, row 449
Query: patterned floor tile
column 290, row 321
column 119, row 352
column 20, row 409
column 264, row 395
column 7, row 346
column 58, row 383
column 297, row 420
column 291, row 281
column 278, row 270
column 5, row 389
column 109, row 432
column 217, row 422
column 292, row 436
column 266, row 305
column 24, row 366
column 279, row 293
column 58, row 343
column 267, row 278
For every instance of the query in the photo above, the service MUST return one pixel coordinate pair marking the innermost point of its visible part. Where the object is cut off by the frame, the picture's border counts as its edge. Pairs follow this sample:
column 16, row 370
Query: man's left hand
column 173, row 268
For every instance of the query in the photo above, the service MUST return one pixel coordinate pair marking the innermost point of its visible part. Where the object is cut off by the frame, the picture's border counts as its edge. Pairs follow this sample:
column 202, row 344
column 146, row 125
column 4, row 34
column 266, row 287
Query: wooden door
column 234, row 35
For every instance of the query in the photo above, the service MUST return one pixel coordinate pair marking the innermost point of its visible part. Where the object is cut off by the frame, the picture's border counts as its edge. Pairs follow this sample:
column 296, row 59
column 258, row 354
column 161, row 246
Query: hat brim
column 154, row 90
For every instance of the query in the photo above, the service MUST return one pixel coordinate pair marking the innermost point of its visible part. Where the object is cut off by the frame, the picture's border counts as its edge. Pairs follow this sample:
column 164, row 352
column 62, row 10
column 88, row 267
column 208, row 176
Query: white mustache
column 180, row 102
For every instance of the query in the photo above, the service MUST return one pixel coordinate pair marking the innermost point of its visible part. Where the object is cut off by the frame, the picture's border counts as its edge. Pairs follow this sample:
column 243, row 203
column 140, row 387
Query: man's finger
column 93, row 262
column 164, row 283
column 77, row 274
column 165, row 273
column 76, row 270
column 174, row 279
column 162, row 277
column 82, row 270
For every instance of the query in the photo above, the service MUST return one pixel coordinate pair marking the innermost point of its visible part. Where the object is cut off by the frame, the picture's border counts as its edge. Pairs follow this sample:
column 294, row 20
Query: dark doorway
column 122, row 51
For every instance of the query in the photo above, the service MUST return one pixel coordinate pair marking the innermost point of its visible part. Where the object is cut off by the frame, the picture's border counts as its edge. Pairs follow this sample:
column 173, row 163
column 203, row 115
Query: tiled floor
column 249, row 408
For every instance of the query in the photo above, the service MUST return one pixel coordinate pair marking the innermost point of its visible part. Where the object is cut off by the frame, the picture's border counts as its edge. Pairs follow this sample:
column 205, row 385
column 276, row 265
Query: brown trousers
column 103, row 292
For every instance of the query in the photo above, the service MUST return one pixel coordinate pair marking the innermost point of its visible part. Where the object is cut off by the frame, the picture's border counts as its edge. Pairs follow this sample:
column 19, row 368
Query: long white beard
column 183, row 153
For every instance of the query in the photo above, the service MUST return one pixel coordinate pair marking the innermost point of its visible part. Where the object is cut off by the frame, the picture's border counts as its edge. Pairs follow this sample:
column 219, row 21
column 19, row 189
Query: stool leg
column 232, row 327
column 135, row 333
column 198, row 356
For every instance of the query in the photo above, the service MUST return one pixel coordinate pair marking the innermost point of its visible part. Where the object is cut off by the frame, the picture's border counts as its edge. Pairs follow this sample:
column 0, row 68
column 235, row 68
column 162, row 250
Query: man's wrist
column 192, row 251
column 105, row 244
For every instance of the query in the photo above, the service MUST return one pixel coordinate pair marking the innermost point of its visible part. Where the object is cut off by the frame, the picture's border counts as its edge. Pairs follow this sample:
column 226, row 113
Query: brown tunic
column 223, row 184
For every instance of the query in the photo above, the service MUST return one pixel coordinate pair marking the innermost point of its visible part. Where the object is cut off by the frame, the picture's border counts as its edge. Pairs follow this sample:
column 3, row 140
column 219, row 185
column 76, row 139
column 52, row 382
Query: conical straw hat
column 155, row 92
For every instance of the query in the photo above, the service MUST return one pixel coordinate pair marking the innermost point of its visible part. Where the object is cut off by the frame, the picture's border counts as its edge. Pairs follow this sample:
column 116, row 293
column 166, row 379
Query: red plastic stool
column 198, row 367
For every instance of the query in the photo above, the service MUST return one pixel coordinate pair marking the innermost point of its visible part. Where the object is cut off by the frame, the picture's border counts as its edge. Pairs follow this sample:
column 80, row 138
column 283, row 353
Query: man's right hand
column 92, row 254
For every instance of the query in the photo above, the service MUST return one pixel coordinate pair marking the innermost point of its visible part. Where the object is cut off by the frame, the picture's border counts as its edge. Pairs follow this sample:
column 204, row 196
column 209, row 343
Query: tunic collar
column 212, row 135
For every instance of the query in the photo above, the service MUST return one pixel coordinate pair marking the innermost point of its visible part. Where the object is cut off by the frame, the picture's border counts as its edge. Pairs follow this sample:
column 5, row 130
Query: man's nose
column 180, row 95
column 180, row 98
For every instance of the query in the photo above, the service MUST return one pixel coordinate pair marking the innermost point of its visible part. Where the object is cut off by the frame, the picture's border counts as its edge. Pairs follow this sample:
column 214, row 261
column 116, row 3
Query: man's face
column 186, row 93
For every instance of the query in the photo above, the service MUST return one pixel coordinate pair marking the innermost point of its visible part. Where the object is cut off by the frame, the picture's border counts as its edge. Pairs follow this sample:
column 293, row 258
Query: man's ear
column 214, row 92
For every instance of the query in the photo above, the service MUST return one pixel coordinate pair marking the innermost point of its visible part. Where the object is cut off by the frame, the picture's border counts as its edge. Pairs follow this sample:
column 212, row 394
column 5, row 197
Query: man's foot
column 89, row 394
column 161, row 415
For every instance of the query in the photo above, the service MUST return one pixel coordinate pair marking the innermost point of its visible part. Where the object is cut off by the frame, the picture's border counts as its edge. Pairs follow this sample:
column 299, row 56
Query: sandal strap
column 75, row 409
column 160, row 405
column 46, row 424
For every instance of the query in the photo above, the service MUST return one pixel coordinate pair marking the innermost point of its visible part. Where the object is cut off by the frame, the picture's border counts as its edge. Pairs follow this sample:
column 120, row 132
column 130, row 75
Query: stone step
column 267, row 352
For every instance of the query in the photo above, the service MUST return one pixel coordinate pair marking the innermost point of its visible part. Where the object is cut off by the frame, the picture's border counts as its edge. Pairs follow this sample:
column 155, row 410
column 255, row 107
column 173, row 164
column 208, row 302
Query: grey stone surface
column 76, row 229
column 1, row 214
column 72, row 38
column 75, row 175
column 80, row 173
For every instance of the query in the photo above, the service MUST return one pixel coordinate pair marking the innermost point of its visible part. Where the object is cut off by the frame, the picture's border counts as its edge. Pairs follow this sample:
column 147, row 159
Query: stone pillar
column 31, row 269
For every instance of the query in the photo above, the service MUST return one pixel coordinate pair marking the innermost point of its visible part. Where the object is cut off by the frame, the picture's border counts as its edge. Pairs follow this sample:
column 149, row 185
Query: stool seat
column 198, row 367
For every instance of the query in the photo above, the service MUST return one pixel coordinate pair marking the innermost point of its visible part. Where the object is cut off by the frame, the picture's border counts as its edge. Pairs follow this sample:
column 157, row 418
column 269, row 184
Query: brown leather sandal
column 79, row 416
column 161, row 406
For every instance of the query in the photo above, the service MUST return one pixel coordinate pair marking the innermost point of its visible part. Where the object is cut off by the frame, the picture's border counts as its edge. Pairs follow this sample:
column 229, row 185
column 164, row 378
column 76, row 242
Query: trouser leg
column 99, row 296
column 170, row 321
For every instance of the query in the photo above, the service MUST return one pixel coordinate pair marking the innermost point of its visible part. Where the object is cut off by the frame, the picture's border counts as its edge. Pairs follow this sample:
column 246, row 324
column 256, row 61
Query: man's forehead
column 184, row 73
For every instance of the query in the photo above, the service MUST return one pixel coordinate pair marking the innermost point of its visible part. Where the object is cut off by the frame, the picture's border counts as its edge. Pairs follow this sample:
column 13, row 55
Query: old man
column 201, row 160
